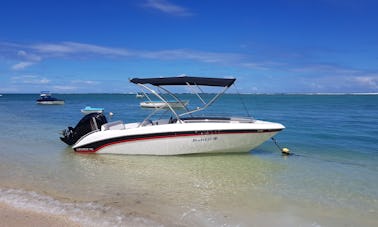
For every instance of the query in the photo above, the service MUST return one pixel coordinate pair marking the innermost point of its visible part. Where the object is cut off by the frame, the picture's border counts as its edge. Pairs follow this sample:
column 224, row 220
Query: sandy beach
column 14, row 217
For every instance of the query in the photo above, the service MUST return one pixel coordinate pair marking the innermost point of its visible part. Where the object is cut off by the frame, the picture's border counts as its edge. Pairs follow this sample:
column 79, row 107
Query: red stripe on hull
column 94, row 150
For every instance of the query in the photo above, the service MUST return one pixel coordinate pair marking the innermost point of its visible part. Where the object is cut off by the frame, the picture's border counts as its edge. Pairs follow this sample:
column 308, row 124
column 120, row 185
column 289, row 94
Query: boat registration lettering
column 205, row 139
column 85, row 149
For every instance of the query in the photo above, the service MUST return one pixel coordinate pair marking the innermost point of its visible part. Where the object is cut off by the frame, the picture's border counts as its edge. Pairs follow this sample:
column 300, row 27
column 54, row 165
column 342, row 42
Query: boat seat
column 115, row 125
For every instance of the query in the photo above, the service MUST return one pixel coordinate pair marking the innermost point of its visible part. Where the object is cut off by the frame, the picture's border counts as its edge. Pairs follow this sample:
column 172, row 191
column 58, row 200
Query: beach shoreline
column 11, row 216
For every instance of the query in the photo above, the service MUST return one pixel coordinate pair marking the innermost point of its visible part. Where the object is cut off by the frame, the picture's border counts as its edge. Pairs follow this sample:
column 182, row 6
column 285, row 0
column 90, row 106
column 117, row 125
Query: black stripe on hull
column 94, row 147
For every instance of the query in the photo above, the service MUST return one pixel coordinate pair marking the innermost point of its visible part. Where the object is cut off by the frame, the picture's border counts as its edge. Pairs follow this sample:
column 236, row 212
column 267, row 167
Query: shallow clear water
column 332, row 180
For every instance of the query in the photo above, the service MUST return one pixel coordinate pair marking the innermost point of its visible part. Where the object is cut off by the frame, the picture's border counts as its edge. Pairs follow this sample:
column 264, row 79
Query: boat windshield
column 45, row 94
column 158, row 88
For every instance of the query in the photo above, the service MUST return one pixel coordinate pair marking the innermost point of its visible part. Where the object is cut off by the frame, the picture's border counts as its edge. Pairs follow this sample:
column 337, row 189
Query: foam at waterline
column 87, row 214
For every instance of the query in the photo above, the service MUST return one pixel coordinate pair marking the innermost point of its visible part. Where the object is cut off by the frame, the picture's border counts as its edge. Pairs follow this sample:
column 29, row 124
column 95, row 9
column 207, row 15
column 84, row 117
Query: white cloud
column 28, row 56
column 53, row 48
column 325, row 77
column 368, row 81
column 183, row 54
column 22, row 65
column 325, row 68
column 167, row 7
column 21, row 53
column 87, row 82
column 262, row 65
column 67, row 48
column 73, row 49
column 35, row 53
column 335, row 77
column 64, row 88
column 30, row 79
column 28, row 59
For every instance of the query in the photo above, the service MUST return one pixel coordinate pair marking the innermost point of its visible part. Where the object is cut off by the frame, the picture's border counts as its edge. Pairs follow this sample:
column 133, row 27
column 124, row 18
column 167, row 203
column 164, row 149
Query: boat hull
column 55, row 102
column 177, row 142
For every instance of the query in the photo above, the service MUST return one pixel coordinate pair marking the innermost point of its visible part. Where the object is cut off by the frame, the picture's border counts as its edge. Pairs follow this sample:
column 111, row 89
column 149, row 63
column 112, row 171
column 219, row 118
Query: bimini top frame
column 184, row 80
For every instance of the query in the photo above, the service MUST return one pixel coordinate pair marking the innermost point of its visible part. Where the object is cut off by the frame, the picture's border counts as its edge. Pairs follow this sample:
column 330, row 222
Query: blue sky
column 269, row 46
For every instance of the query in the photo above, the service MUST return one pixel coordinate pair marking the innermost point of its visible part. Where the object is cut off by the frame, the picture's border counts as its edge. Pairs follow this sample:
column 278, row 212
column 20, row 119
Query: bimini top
column 185, row 80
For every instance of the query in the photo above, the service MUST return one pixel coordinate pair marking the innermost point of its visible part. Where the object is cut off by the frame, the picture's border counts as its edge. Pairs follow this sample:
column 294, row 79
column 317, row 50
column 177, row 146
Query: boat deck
column 119, row 125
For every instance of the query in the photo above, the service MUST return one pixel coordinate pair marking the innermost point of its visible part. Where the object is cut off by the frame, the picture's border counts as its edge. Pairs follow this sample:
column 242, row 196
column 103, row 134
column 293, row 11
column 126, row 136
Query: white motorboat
column 183, row 133
column 89, row 109
column 161, row 104
column 46, row 99
column 139, row 95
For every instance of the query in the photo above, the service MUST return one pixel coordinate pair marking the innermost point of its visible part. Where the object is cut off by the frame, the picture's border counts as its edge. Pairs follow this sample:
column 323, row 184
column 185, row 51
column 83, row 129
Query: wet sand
column 14, row 217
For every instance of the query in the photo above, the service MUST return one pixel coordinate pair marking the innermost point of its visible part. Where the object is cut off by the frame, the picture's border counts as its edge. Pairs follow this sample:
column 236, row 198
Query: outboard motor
column 90, row 122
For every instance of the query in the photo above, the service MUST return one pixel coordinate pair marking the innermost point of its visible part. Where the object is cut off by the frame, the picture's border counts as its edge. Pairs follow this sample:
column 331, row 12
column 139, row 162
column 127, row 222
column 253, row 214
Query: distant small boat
column 160, row 104
column 139, row 95
column 46, row 99
column 88, row 110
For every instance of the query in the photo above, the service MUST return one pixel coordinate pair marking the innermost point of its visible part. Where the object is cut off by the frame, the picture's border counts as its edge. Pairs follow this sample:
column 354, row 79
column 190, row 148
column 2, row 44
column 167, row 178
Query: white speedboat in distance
column 46, row 99
column 182, row 133
column 160, row 104
column 139, row 95
column 89, row 109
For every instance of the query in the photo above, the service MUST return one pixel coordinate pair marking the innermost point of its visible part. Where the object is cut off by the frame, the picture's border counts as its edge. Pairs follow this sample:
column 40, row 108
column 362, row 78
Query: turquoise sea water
column 332, row 180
